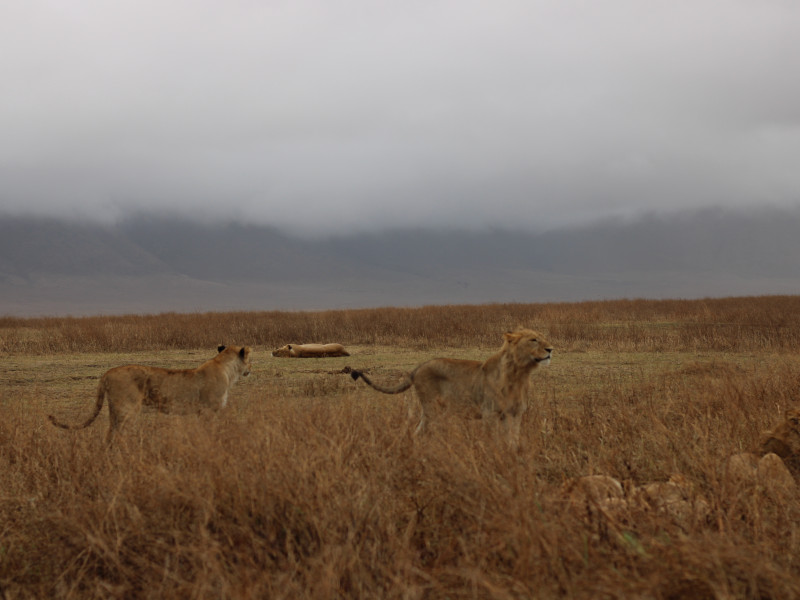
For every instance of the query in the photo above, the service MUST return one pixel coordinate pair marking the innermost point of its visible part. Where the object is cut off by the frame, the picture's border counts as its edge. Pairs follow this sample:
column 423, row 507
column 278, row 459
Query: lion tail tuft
column 352, row 372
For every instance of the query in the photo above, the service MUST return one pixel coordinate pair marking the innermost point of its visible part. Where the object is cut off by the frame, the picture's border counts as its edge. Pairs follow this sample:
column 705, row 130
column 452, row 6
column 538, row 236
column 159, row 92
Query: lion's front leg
column 512, row 426
column 511, row 420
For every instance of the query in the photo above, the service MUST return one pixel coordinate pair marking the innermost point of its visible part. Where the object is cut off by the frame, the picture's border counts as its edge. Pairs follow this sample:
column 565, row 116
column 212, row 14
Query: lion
column 746, row 470
column 128, row 388
column 601, row 495
column 595, row 491
column 497, row 387
column 676, row 498
column 310, row 351
column 775, row 462
column 784, row 440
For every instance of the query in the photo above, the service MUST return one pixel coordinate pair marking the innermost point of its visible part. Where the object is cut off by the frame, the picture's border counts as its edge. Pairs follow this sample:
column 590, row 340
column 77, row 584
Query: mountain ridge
column 150, row 263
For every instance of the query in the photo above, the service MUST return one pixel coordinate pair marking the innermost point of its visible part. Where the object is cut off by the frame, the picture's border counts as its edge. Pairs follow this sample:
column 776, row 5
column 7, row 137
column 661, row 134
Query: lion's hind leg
column 429, row 392
column 124, row 405
column 422, row 425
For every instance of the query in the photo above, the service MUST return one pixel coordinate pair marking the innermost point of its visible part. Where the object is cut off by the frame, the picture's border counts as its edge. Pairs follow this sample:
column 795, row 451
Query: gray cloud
column 320, row 116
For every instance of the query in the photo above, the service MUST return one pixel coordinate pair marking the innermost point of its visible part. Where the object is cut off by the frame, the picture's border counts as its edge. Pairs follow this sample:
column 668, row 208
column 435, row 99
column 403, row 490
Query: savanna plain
column 311, row 485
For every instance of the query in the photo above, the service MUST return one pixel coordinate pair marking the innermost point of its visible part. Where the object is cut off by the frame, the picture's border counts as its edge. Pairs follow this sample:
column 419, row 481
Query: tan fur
column 784, row 440
column 746, row 471
column 775, row 461
column 128, row 388
column 676, row 498
column 497, row 387
column 599, row 490
column 593, row 496
column 310, row 351
column 597, row 500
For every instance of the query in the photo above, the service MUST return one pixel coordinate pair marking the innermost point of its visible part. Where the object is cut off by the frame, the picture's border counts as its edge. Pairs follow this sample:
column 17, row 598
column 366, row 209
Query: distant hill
column 148, row 263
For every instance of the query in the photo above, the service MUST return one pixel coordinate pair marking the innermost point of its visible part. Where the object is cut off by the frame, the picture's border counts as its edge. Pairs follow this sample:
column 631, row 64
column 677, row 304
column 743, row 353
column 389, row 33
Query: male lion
column 168, row 390
column 497, row 387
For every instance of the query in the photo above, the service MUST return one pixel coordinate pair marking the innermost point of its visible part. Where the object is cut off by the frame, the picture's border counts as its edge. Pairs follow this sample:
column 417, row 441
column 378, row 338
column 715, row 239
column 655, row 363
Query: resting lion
column 168, row 390
column 601, row 495
column 310, row 351
column 784, row 440
column 497, row 387
column 746, row 470
column 775, row 462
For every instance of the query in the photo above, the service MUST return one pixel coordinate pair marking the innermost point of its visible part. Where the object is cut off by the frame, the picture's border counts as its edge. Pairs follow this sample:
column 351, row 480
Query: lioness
column 310, row 351
column 180, row 390
column 496, row 387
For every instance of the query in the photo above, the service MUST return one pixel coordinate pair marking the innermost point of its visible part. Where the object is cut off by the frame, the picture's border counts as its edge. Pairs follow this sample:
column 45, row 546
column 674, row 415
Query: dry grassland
column 311, row 485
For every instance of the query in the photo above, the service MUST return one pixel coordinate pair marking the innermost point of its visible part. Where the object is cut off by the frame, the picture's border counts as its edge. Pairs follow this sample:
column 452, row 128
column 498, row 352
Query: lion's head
column 528, row 347
column 283, row 351
column 784, row 440
column 238, row 354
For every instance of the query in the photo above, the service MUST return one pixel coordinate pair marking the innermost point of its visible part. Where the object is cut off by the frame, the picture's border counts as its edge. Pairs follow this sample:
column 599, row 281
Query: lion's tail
column 101, row 395
column 400, row 387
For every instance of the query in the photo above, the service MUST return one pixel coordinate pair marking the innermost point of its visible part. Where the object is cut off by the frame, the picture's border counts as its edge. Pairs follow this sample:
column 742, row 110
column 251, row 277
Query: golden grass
column 311, row 486
column 769, row 323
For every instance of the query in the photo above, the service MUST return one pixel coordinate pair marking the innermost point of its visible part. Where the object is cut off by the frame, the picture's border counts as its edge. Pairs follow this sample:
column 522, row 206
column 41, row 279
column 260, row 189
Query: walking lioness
column 497, row 387
column 127, row 388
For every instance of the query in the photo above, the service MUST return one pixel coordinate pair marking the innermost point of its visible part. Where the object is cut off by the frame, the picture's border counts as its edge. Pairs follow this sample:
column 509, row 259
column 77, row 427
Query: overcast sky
column 325, row 115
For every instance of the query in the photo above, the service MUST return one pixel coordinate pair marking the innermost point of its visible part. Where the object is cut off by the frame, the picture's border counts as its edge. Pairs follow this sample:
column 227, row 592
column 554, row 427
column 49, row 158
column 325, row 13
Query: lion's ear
column 220, row 348
column 289, row 346
column 244, row 352
column 511, row 336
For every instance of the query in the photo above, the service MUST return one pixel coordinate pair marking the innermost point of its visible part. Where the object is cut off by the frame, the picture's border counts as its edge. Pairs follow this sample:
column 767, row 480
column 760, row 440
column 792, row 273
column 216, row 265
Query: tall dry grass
column 321, row 491
column 766, row 323
column 322, row 499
